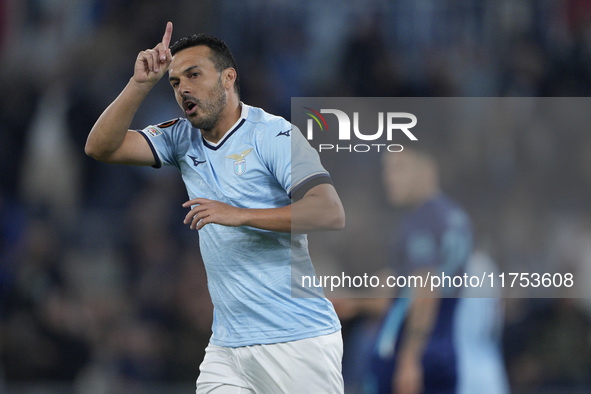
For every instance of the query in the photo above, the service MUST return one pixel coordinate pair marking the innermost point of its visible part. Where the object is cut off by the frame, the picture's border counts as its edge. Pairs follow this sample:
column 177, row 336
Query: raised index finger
column 167, row 35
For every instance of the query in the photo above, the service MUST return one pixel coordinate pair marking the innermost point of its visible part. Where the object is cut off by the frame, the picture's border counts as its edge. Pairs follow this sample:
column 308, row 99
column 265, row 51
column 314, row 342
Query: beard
column 208, row 111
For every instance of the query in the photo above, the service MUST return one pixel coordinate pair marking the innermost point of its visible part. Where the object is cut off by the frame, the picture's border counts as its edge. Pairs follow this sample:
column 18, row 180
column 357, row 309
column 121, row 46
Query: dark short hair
column 222, row 57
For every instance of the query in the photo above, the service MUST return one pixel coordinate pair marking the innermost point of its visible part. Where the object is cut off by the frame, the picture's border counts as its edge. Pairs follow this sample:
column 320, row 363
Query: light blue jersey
column 249, row 270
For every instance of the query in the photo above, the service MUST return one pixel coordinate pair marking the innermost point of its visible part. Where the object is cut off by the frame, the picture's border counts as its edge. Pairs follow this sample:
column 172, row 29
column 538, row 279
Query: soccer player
column 414, row 351
column 245, row 172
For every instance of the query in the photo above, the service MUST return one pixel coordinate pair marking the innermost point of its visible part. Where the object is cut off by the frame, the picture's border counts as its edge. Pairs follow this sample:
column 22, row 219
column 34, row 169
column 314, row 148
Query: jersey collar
column 243, row 115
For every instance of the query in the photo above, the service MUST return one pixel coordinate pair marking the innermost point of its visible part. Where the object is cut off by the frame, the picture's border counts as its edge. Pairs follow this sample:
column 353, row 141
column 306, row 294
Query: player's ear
column 229, row 77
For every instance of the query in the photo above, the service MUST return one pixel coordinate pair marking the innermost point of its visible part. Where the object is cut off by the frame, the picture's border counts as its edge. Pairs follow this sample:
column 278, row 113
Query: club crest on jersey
column 239, row 161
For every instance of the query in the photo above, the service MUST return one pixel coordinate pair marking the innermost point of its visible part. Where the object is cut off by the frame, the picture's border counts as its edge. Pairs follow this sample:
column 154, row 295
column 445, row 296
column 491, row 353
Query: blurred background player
column 415, row 350
column 236, row 162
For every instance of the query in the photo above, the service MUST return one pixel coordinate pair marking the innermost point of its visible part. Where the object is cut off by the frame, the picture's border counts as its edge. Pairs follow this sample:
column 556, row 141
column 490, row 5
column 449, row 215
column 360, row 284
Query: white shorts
column 312, row 365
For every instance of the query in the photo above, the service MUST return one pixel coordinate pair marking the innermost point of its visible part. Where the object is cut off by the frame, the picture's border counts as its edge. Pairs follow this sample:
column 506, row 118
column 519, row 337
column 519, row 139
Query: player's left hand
column 209, row 211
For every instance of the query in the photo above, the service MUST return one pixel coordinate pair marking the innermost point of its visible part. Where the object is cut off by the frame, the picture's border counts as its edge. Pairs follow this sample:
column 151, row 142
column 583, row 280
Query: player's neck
column 229, row 116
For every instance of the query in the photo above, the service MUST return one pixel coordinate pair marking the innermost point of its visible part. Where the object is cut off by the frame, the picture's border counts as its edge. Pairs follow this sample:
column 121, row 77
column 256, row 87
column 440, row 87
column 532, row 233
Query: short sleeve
column 291, row 159
column 422, row 250
column 161, row 139
column 446, row 248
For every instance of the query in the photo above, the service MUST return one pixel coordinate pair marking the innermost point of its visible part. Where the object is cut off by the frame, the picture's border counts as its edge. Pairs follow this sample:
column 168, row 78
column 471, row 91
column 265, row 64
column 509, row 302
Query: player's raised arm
column 110, row 139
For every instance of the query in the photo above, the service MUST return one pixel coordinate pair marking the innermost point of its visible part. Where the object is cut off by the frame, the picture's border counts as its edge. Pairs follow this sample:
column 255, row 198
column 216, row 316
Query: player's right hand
column 151, row 64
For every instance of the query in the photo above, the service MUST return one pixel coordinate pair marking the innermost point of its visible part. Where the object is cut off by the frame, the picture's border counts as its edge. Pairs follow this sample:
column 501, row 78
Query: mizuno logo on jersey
column 195, row 161
column 285, row 133
column 239, row 162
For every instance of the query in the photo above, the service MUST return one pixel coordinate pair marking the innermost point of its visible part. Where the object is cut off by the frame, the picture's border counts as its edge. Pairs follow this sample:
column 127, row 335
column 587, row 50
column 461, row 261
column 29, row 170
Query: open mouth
column 189, row 107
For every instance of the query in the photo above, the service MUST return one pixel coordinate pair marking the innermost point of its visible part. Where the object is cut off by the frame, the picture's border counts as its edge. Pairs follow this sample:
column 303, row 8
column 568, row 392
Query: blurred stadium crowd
column 101, row 285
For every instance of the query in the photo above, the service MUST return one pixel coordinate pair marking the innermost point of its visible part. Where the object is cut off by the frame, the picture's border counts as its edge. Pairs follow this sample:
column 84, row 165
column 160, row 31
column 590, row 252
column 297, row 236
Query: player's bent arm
column 110, row 139
column 319, row 209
